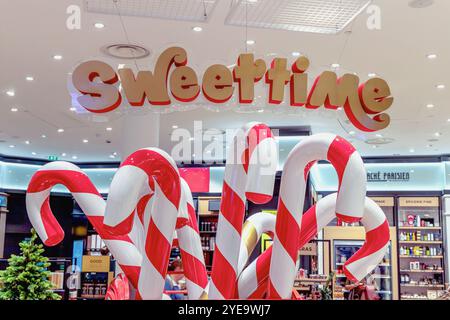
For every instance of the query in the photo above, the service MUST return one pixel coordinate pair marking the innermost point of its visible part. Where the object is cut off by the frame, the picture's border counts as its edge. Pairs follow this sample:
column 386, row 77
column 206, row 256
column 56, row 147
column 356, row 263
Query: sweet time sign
column 364, row 104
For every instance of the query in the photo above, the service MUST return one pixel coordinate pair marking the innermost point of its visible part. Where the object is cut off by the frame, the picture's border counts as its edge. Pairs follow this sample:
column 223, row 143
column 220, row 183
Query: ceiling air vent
column 185, row 10
column 317, row 16
column 379, row 141
column 126, row 51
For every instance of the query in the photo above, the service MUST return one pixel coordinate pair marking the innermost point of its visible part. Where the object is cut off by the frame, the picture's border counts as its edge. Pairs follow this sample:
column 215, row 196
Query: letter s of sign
column 98, row 97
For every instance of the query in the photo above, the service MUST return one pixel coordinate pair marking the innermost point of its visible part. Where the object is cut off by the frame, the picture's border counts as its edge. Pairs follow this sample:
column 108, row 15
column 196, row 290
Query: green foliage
column 27, row 276
column 326, row 292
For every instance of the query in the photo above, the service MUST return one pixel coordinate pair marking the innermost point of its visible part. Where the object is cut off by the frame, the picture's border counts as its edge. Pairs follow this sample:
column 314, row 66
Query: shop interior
column 407, row 163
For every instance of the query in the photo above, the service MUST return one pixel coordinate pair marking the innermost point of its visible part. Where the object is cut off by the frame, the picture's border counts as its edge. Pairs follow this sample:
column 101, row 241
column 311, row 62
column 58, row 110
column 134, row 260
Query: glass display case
column 380, row 277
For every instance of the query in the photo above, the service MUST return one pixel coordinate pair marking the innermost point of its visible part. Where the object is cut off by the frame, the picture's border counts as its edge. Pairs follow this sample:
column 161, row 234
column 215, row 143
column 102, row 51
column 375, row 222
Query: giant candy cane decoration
column 190, row 246
column 249, row 174
column 154, row 168
column 90, row 201
column 253, row 280
column 349, row 202
column 151, row 173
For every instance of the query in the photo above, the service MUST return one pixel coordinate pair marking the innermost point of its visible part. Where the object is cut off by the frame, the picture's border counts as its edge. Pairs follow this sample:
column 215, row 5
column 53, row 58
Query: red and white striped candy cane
column 249, row 174
column 190, row 246
column 253, row 280
column 349, row 203
column 90, row 201
column 155, row 168
column 252, row 230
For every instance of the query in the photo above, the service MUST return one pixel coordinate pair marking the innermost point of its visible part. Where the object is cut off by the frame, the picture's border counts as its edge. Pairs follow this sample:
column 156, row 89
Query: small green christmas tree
column 27, row 276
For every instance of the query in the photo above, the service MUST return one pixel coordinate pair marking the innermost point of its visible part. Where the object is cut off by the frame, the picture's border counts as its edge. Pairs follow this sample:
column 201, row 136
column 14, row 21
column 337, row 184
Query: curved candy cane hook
column 154, row 168
column 349, row 202
column 90, row 201
column 252, row 230
column 118, row 289
column 253, row 280
column 249, row 174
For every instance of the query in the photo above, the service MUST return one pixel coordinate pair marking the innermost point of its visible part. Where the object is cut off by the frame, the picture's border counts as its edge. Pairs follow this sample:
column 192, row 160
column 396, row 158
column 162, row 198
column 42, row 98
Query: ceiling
column 397, row 52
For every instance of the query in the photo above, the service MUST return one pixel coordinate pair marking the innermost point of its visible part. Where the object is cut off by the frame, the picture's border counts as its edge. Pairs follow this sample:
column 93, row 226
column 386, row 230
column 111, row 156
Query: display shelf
column 305, row 280
column 421, row 242
column 417, row 298
column 422, row 285
column 205, row 215
column 379, row 265
column 421, row 257
column 422, row 271
column 418, row 228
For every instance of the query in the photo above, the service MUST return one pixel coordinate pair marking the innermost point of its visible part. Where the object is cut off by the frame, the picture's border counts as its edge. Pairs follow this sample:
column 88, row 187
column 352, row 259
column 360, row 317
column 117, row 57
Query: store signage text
column 388, row 176
column 364, row 104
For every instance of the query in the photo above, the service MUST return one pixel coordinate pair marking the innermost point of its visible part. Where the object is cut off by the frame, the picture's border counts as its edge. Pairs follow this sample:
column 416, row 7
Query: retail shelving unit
column 96, row 265
column 208, row 215
column 59, row 268
column 380, row 277
column 421, row 250
column 344, row 242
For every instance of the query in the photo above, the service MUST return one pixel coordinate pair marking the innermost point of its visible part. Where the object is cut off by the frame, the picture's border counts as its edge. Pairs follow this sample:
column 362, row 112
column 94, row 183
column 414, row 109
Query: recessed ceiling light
column 11, row 93
column 27, row 142
column 73, row 109
column 412, row 150
column 379, row 135
column 112, row 156
column 63, row 154
column 261, row 111
column 335, row 65
column 191, row 139
column 432, row 56
column 60, row 130
column 430, row 106
column 296, row 54
column 14, row 109
column 33, row 153
column 114, row 153
column 57, row 57
column 74, row 157
column 448, row 120
column 12, row 146
column 85, row 140
column 109, row 129
column 197, row 29
column 174, row 127
column 29, row 78
column 440, row 86
column 43, row 136
column 99, row 25
column 372, row 75
column 437, row 134
column 251, row 42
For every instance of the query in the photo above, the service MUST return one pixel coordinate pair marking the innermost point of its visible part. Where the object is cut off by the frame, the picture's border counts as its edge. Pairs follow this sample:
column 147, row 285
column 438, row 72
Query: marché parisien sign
column 401, row 176
column 364, row 104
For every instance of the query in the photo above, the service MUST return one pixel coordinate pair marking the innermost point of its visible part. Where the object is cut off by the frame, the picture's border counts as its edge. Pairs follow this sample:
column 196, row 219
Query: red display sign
column 197, row 178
